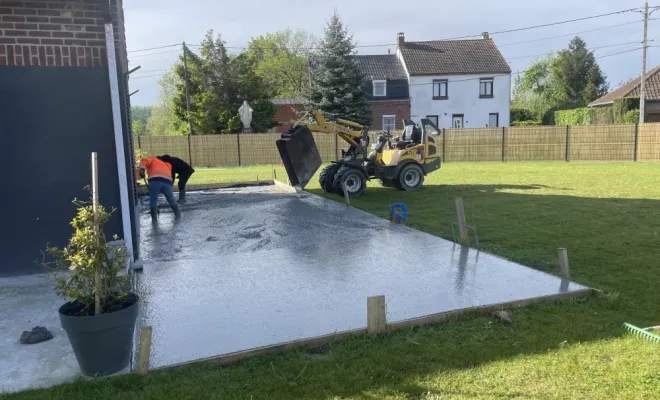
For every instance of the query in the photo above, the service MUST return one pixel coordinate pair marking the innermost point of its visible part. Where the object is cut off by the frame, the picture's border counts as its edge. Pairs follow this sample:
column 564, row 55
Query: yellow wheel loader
column 399, row 162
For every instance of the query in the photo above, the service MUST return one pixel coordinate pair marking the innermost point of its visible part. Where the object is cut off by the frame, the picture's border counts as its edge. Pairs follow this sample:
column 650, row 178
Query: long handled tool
column 645, row 333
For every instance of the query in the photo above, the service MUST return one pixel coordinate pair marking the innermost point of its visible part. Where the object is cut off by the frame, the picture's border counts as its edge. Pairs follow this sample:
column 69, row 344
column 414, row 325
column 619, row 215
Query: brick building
column 386, row 85
column 287, row 112
column 62, row 99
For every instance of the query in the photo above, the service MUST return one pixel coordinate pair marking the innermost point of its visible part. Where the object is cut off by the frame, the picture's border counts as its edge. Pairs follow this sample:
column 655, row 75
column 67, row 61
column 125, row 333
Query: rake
column 646, row 333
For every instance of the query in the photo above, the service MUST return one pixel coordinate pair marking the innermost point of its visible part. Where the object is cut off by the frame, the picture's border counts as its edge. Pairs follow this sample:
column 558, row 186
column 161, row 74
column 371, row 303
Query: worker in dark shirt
column 182, row 169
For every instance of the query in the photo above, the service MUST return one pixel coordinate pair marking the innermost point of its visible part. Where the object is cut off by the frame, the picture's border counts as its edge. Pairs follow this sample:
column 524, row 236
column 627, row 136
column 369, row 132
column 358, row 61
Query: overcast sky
column 154, row 23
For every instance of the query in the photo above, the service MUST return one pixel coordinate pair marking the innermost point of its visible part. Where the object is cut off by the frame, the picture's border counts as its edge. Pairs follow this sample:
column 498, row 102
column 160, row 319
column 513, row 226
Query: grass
column 606, row 215
column 236, row 174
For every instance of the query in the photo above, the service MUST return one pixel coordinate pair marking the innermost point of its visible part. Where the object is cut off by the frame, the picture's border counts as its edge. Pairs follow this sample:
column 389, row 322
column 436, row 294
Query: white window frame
column 393, row 119
column 384, row 82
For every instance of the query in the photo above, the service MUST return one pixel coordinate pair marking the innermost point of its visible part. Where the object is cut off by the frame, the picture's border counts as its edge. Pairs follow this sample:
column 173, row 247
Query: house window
column 493, row 120
column 440, row 89
column 486, row 87
column 433, row 118
column 389, row 122
column 380, row 88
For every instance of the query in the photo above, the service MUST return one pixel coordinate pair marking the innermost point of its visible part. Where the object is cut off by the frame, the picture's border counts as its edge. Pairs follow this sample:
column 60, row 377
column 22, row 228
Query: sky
column 156, row 23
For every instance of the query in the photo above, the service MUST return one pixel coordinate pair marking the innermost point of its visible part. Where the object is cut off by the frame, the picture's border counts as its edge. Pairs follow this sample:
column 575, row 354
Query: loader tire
column 327, row 177
column 353, row 178
column 411, row 177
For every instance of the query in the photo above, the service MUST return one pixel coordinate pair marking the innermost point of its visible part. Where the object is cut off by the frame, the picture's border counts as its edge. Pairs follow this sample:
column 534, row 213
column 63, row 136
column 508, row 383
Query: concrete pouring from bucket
column 250, row 267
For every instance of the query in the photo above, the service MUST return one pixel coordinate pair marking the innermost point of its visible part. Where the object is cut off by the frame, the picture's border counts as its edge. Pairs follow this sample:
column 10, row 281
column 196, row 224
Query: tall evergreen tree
column 578, row 74
column 336, row 88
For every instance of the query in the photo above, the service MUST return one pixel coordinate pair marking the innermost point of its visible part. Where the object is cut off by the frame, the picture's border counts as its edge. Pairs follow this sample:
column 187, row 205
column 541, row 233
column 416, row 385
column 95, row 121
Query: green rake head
column 646, row 333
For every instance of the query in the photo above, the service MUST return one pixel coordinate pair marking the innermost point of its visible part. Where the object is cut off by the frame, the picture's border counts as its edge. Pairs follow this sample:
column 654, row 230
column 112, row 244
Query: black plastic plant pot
column 102, row 343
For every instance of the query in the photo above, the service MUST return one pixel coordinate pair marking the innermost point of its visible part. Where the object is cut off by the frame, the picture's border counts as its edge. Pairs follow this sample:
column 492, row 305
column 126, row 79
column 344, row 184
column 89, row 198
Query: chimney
column 484, row 35
column 400, row 39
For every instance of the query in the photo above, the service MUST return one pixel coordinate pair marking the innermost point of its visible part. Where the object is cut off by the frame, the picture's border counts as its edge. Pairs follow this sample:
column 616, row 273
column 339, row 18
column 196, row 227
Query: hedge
column 522, row 114
column 631, row 117
column 584, row 116
column 622, row 106
column 526, row 123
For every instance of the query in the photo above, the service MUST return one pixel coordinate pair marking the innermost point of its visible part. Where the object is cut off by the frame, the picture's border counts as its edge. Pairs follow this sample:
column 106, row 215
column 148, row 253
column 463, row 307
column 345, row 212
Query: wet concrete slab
column 25, row 302
column 251, row 267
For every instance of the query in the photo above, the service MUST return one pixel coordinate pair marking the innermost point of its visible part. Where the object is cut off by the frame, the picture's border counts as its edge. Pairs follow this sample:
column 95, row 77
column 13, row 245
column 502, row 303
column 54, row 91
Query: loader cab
column 430, row 138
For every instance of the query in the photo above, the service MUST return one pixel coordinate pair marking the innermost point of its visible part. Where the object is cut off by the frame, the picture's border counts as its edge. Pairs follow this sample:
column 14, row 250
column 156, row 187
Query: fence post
column 139, row 143
column 238, row 147
column 503, row 134
column 568, row 143
column 636, row 142
column 444, row 142
column 189, row 150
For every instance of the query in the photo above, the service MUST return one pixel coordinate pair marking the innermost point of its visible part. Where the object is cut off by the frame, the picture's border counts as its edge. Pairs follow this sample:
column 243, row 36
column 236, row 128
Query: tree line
column 276, row 65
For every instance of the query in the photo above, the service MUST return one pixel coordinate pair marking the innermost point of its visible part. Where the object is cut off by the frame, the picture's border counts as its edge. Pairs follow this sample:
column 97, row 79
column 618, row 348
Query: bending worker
column 160, row 180
column 183, row 170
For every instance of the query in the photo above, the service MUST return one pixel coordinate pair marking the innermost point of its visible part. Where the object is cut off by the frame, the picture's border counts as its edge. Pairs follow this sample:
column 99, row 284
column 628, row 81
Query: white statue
column 245, row 112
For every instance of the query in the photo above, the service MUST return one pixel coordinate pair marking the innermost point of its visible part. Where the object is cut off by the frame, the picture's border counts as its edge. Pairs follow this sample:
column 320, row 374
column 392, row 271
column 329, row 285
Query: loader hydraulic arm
column 340, row 127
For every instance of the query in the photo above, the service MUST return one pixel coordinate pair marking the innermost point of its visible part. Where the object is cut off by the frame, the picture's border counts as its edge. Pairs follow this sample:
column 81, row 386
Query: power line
column 570, row 34
column 454, row 80
column 455, row 38
column 591, row 49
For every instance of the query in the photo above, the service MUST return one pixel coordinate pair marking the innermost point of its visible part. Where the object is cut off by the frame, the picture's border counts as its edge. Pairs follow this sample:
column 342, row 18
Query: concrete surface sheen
column 249, row 268
column 26, row 302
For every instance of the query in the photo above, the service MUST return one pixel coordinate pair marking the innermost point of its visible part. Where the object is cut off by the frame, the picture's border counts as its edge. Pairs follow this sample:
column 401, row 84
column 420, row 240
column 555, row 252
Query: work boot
column 182, row 196
column 177, row 213
column 154, row 214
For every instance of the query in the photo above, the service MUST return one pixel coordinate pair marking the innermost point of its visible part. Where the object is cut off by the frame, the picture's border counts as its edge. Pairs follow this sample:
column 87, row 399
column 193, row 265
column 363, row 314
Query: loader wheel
column 354, row 180
column 326, row 178
column 411, row 177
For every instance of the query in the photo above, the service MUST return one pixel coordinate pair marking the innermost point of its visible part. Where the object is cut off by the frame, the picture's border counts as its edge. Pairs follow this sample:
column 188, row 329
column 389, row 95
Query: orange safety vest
column 156, row 168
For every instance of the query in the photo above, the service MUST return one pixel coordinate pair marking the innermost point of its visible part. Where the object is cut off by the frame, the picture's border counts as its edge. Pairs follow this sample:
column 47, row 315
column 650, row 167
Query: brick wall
column 67, row 33
column 399, row 108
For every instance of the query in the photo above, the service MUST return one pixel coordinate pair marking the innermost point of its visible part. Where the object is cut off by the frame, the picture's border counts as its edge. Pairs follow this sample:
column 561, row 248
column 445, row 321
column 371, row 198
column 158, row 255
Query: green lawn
column 606, row 215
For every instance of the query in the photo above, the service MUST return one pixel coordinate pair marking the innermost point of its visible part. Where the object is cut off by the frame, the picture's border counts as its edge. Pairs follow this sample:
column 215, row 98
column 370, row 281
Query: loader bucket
column 299, row 155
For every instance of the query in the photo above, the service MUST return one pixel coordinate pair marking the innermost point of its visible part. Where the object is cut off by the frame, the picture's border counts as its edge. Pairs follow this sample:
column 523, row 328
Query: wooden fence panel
column 259, row 149
column 326, row 144
column 648, row 146
column 535, row 143
column 602, row 142
column 214, row 150
column 175, row 146
column 480, row 144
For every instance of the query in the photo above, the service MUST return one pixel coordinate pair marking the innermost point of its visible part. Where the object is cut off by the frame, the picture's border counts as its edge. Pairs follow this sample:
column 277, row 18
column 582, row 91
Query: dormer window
column 380, row 88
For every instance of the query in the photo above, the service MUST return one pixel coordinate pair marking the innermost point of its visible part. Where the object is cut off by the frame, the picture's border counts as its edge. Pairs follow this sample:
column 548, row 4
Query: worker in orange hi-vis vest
column 160, row 180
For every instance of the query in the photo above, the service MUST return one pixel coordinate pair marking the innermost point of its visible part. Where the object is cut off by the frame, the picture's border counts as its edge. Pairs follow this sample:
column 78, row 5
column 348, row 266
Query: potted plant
column 99, row 316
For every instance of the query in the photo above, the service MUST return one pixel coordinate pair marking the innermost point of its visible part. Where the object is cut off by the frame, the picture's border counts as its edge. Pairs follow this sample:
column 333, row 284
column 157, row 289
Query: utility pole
column 642, row 94
column 185, row 73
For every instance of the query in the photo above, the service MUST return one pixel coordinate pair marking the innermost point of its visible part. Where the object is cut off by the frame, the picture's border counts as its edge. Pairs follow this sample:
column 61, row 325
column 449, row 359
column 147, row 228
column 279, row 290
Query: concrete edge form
column 319, row 341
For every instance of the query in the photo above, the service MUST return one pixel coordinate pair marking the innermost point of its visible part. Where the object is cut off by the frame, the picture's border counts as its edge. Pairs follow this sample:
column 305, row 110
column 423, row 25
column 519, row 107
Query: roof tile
column 633, row 89
column 381, row 66
column 448, row 57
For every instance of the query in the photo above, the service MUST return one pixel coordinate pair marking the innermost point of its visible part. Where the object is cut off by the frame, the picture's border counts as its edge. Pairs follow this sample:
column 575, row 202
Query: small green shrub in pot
column 99, row 316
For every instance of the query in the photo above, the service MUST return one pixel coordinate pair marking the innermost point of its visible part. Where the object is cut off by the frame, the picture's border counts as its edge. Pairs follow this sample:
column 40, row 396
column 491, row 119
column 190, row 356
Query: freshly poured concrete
column 26, row 302
column 249, row 268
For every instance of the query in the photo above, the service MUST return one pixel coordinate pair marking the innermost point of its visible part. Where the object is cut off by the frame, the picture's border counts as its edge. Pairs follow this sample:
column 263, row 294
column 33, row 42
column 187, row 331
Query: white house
column 457, row 83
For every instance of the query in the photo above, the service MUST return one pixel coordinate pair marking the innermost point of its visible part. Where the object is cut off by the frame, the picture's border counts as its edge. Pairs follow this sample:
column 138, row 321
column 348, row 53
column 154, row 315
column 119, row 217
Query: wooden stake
column 462, row 225
column 376, row 322
column 95, row 205
column 563, row 264
column 145, row 351
column 274, row 174
column 346, row 198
